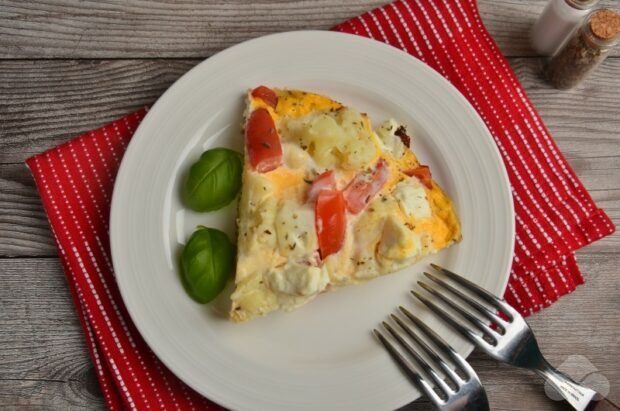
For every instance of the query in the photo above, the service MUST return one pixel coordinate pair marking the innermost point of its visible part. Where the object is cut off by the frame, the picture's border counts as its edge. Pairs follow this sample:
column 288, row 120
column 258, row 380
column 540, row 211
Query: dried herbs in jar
column 588, row 47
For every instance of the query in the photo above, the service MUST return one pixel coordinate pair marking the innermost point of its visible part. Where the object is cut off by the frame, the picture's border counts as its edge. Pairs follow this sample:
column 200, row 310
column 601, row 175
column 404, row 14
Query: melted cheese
column 293, row 103
column 283, row 179
column 278, row 265
column 294, row 225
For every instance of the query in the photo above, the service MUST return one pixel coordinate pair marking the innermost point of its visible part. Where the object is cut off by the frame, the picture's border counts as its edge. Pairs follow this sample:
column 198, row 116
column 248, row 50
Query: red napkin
column 554, row 213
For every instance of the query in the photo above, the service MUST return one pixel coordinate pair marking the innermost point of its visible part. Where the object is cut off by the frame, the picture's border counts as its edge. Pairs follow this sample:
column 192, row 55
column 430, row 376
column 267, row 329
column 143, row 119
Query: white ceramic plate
column 321, row 356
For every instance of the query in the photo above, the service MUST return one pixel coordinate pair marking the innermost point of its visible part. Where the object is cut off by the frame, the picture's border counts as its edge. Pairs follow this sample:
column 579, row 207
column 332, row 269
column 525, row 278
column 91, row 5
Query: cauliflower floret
column 389, row 140
column 361, row 148
column 294, row 156
column 295, row 229
column 335, row 139
column 398, row 242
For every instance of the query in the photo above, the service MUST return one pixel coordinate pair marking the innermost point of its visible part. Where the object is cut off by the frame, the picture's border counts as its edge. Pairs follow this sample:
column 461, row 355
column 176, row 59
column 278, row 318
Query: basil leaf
column 214, row 180
column 207, row 262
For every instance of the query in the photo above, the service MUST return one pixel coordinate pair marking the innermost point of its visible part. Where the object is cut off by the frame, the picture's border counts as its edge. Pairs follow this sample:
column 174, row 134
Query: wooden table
column 70, row 66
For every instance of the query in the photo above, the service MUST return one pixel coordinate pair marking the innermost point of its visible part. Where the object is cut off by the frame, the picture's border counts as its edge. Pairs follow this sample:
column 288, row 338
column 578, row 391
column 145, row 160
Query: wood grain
column 24, row 230
column 138, row 28
column 131, row 29
column 52, row 101
column 49, row 102
column 68, row 66
column 44, row 363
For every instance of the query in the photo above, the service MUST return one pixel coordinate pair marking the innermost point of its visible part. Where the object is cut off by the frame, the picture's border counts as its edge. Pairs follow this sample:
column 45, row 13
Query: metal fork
column 465, row 393
column 508, row 339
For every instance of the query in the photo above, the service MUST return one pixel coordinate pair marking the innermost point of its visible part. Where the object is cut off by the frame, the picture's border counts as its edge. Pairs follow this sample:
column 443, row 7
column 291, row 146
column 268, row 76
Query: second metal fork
column 465, row 391
column 508, row 339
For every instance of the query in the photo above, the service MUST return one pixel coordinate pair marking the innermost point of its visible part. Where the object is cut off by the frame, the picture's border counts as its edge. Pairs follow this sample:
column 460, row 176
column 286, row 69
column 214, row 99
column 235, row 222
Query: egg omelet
column 327, row 201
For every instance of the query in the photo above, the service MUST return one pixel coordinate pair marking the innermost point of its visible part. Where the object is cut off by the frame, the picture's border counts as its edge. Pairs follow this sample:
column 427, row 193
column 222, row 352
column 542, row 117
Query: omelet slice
column 327, row 201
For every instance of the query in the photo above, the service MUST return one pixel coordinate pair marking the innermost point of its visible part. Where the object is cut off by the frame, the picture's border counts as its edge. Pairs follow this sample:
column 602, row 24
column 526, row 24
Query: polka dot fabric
column 554, row 213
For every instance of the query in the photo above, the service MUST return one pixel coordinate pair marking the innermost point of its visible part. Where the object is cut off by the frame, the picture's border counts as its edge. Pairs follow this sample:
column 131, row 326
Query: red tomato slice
column 330, row 221
column 422, row 173
column 262, row 141
column 325, row 181
column 266, row 94
column 364, row 186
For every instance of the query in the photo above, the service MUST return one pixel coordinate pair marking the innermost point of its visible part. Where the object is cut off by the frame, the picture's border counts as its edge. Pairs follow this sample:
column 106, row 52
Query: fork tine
column 441, row 343
column 431, row 352
column 466, row 332
column 471, row 318
column 427, row 368
column 426, row 329
column 475, row 304
column 408, row 370
column 479, row 291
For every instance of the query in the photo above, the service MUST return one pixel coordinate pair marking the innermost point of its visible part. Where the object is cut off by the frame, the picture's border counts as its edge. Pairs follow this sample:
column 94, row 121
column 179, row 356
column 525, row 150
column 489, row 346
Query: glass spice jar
column 585, row 50
column 557, row 22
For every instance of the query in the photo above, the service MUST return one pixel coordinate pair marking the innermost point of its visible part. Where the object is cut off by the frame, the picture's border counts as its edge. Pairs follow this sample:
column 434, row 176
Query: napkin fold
column 555, row 215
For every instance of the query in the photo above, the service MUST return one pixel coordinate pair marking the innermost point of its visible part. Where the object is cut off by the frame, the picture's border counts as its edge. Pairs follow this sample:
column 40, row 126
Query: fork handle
column 573, row 392
column 576, row 394
column 602, row 405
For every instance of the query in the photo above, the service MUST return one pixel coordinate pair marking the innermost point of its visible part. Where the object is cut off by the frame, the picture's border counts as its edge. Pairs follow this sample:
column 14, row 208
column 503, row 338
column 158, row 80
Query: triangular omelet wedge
column 326, row 202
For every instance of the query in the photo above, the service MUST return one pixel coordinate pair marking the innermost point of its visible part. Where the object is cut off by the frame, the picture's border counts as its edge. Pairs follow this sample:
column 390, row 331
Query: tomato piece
column 266, row 94
column 325, row 181
column 422, row 173
column 262, row 141
column 364, row 186
column 330, row 221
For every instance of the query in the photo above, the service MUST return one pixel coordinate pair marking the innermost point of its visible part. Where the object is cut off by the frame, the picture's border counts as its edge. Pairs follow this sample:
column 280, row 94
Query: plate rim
column 116, row 210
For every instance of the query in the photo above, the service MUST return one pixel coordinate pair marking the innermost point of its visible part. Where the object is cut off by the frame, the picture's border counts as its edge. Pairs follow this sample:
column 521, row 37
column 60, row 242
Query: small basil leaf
column 207, row 262
column 214, row 180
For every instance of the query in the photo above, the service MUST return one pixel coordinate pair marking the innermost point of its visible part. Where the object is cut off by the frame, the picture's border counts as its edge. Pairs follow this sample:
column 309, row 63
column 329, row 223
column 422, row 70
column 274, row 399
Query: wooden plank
column 44, row 362
column 24, row 230
column 136, row 28
column 43, row 103
column 52, row 101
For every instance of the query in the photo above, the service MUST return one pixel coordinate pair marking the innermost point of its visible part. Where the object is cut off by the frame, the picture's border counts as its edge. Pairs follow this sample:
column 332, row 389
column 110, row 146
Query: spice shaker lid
column 582, row 4
column 605, row 24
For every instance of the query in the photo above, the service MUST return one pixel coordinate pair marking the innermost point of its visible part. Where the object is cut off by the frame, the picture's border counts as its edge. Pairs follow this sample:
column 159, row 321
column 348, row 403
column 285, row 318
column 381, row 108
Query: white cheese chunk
column 412, row 199
column 298, row 279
